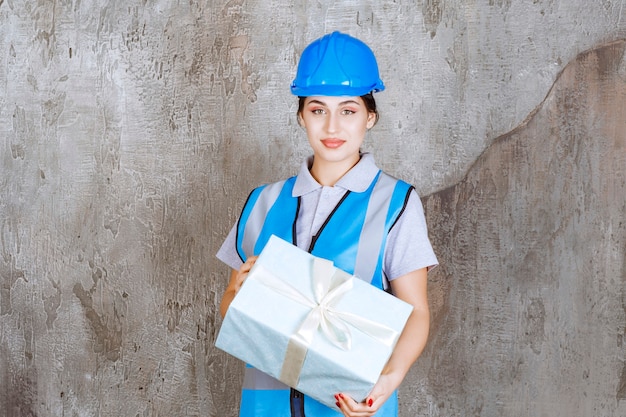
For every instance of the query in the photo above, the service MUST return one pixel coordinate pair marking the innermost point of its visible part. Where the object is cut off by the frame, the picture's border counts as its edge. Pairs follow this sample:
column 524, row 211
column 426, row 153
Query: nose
column 332, row 123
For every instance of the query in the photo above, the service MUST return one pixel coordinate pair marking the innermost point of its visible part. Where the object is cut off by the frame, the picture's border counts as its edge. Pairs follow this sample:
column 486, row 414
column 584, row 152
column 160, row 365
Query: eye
column 347, row 112
column 317, row 111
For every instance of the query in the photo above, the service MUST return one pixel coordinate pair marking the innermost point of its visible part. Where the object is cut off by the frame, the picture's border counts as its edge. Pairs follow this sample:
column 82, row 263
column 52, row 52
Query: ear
column 371, row 120
column 301, row 121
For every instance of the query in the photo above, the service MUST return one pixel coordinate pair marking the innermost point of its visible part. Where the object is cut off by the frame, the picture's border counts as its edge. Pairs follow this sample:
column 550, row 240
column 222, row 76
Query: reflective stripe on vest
column 251, row 225
column 353, row 236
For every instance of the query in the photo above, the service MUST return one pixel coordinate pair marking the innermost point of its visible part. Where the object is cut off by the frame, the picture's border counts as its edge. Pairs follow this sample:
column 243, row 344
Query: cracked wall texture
column 133, row 131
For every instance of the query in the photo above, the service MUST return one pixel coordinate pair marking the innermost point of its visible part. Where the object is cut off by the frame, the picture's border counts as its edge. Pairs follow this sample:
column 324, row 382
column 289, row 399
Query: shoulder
column 274, row 185
column 396, row 179
column 399, row 188
column 270, row 192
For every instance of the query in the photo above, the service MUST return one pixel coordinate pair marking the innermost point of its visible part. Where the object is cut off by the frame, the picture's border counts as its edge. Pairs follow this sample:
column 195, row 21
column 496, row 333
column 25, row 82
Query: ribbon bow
column 329, row 285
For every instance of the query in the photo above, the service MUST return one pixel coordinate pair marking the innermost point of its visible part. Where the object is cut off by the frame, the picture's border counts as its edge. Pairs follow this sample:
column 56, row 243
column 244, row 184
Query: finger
column 343, row 404
column 247, row 265
column 351, row 408
column 251, row 260
column 244, row 269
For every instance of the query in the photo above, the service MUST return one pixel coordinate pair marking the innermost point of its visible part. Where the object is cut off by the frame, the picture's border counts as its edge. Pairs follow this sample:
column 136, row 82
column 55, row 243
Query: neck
column 328, row 173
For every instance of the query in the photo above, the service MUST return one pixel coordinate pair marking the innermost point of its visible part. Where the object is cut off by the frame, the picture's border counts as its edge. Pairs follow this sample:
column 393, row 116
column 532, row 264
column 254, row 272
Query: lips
column 332, row 143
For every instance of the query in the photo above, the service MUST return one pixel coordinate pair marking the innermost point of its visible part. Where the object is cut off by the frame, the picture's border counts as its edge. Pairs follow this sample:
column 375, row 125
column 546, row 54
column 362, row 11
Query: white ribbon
column 329, row 285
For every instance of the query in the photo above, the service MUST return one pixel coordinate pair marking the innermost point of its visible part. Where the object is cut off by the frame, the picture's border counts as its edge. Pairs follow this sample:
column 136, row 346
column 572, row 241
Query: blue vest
column 353, row 237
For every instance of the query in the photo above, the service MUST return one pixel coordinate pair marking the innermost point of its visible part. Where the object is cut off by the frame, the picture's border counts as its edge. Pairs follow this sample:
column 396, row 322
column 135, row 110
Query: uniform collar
column 358, row 179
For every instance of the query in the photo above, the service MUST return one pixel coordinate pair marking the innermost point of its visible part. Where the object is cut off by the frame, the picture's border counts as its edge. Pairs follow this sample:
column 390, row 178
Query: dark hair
column 368, row 99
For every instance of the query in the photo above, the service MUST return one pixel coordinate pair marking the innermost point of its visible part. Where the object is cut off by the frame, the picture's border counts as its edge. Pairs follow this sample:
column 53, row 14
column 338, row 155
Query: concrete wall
column 530, row 301
column 133, row 130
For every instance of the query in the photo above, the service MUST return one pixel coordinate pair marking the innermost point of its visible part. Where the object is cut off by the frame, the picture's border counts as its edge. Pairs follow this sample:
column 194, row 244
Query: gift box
column 311, row 325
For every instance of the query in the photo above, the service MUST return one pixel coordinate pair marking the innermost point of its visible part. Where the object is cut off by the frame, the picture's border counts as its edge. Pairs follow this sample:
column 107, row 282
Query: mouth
column 332, row 143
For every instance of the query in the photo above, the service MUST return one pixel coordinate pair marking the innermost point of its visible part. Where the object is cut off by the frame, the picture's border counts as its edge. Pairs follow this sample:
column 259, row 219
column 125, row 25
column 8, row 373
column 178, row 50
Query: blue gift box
column 312, row 326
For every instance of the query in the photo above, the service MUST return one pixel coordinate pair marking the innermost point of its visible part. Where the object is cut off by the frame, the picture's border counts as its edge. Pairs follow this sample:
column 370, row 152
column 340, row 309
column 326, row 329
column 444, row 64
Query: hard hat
column 337, row 65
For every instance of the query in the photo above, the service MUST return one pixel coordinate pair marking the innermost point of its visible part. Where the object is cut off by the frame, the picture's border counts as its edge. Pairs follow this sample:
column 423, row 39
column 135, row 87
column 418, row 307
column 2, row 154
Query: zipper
column 296, row 401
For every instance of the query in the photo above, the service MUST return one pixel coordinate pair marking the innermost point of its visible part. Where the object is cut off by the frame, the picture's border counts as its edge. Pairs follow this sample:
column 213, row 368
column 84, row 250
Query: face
column 336, row 127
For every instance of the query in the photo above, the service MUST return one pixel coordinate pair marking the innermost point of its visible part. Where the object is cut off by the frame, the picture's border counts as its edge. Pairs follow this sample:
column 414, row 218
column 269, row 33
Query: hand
column 237, row 277
column 411, row 288
column 377, row 397
column 242, row 274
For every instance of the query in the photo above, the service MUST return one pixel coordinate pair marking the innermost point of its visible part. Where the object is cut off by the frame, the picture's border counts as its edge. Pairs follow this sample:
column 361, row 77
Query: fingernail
column 341, row 396
column 370, row 402
column 338, row 405
column 337, row 397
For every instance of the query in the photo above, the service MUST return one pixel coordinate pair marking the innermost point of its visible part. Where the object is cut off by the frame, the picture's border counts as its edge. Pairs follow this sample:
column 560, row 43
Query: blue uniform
column 354, row 235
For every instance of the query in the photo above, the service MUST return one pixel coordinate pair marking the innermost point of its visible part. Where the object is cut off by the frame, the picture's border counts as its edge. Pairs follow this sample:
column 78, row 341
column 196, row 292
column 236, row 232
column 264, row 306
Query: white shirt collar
column 358, row 179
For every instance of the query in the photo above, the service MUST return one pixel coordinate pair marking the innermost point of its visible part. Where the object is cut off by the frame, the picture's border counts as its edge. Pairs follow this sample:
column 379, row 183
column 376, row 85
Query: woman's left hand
column 411, row 288
column 377, row 397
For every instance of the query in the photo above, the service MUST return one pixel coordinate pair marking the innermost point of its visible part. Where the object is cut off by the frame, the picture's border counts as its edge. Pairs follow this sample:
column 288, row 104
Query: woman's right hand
column 240, row 276
column 237, row 277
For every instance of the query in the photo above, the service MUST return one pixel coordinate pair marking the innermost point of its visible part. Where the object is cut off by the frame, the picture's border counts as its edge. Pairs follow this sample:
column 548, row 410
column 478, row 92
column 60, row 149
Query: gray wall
column 133, row 130
column 530, row 301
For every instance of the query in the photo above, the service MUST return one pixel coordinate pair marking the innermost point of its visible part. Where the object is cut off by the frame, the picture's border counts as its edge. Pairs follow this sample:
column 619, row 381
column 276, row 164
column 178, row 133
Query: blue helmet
column 337, row 65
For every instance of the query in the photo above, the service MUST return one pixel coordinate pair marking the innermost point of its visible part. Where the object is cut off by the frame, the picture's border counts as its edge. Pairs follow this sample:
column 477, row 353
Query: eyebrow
column 343, row 103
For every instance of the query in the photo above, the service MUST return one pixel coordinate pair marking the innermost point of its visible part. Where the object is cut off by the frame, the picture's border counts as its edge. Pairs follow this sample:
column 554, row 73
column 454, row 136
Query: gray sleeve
column 408, row 246
column 228, row 251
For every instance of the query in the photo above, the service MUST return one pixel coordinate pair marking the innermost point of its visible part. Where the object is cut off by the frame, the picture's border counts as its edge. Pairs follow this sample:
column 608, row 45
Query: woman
column 342, row 207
